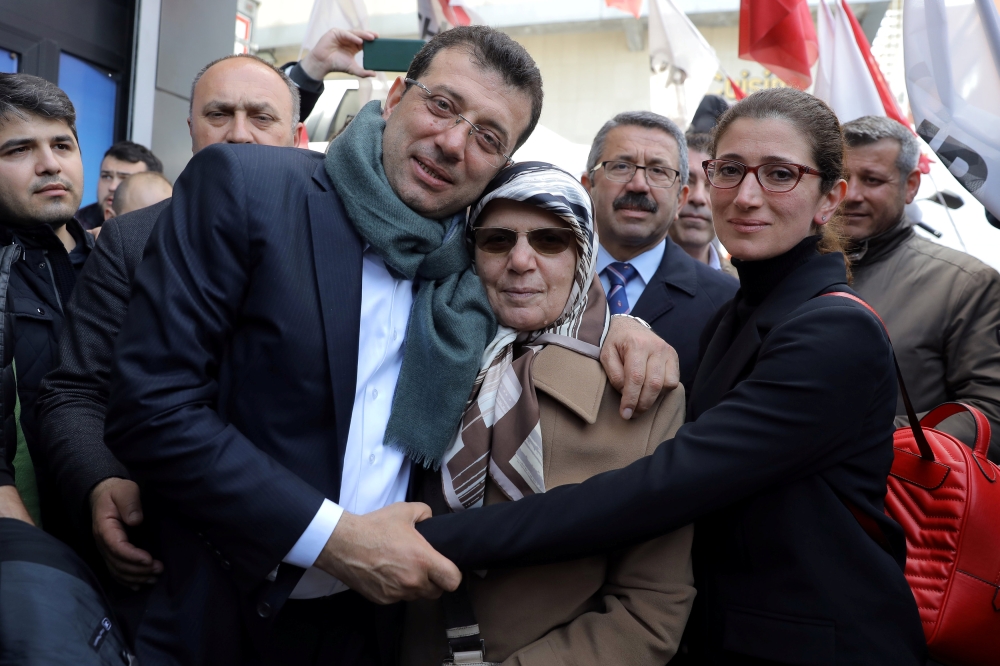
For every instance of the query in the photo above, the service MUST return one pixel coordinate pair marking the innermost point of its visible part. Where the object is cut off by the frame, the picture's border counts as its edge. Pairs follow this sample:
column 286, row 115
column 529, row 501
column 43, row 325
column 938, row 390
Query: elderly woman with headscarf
column 543, row 414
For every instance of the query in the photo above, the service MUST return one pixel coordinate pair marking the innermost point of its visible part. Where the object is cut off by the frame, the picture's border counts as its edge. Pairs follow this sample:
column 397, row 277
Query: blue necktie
column 619, row 274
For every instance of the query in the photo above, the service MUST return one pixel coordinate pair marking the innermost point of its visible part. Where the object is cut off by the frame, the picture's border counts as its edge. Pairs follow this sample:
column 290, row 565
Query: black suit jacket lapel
column 676, row 270
column 724, row 363
column 337, row 255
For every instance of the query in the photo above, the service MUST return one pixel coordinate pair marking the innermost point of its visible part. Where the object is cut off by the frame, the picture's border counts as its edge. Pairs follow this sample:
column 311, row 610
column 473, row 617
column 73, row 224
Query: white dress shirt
column 373, row 475
column 645, row 264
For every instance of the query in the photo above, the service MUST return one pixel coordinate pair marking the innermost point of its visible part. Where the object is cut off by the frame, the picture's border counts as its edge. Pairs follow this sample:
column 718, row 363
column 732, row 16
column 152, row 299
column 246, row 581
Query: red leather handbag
column 946, row 497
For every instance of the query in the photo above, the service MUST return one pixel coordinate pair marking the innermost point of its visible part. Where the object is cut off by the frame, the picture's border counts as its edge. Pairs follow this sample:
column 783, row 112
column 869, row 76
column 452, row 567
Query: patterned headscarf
column 500, row 433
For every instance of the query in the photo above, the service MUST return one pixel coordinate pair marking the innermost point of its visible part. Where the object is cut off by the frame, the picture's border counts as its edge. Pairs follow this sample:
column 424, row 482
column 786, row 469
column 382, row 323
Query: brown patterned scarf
column 500, row 435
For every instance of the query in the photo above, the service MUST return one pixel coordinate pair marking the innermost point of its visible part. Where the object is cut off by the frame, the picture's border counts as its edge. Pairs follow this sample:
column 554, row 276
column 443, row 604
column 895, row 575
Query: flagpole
column 940, row 200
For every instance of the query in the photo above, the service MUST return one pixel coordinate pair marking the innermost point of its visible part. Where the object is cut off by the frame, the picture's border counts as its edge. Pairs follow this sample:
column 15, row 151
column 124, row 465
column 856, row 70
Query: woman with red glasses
column 789, row 436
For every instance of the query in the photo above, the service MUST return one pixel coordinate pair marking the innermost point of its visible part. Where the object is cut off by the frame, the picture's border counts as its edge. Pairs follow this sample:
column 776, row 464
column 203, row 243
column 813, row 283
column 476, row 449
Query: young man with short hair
column 120, row 161
column 43, row 250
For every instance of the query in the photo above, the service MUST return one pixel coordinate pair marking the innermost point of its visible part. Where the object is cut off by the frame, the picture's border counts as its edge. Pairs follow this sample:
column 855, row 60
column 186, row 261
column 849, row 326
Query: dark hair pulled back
column 818, row 124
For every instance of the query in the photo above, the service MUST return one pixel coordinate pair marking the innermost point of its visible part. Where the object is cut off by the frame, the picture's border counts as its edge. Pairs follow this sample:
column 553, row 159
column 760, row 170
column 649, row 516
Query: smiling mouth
column 431, row 171
column 748, row 226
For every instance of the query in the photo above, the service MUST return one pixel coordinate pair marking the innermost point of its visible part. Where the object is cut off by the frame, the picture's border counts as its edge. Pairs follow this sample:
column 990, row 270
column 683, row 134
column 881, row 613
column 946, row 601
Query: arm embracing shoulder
column 162, row 421
column 791, row 417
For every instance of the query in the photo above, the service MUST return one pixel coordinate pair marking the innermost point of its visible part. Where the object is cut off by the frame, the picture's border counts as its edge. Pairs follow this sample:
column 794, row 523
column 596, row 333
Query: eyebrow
column 767, row 159
column 254, row 107
column 16, row 143
column 654, row 161
column 457, row 96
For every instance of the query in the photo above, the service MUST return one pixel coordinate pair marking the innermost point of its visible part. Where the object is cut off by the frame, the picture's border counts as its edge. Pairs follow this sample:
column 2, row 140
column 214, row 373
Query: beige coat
column 942, row 310
column 627, row 608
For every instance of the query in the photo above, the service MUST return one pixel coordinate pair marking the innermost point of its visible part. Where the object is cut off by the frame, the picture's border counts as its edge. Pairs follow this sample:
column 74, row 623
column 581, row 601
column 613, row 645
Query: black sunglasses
column 497, row 240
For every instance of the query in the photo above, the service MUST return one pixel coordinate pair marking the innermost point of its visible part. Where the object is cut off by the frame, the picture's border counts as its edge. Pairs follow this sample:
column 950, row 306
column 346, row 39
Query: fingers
column 421, row 511
column 125, row 496
column 634, row 374
column 653, row 383
column 365, row 35
column 359, row 71
column 613, row 366
column 130, row 565
column 443, row 573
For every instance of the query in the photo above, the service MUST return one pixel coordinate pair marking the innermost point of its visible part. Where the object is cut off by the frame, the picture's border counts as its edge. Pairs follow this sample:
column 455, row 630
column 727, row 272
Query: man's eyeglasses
column 775, row 177
column 442, row 108
column 550, row 240
column 622, row 172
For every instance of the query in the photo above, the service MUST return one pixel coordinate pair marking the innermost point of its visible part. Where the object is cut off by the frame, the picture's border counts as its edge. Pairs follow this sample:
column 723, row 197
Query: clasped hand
column 382, row 556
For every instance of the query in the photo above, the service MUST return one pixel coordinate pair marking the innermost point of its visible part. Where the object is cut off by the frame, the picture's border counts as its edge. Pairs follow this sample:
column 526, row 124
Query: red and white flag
column 434, row 16
column 780, row 35
column 842, row 78
column 952, row 54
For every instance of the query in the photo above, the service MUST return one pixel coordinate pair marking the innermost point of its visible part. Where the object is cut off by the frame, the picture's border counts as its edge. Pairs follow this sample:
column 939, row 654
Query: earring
column 824, row 218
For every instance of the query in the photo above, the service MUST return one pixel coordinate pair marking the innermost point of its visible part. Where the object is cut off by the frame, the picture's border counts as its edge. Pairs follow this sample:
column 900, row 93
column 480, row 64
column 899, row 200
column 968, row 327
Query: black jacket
column 794, row 416
column 37, row 279
column 682, row 297
column 232, row 386
column 73, row 397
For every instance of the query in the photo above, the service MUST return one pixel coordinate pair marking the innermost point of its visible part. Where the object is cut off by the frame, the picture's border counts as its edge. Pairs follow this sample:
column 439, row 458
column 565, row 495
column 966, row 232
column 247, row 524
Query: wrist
column 312, row 68
column 11, row 505
column 102, row 486
column 633, row 318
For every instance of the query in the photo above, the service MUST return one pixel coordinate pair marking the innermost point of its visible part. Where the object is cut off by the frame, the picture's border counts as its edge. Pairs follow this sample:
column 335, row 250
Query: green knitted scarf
column 451, row 321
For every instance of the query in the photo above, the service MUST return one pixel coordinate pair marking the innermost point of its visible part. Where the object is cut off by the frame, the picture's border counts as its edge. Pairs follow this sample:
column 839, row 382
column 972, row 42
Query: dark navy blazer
column 794, row 420
column 233, row 385
column 681, row 298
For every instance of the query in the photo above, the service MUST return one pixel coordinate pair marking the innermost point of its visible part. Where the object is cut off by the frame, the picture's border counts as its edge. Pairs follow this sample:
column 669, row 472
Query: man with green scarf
column 302, row 331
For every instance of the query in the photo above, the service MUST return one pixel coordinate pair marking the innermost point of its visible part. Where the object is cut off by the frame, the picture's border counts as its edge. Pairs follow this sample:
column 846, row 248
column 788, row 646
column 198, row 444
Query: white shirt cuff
column 307, row 549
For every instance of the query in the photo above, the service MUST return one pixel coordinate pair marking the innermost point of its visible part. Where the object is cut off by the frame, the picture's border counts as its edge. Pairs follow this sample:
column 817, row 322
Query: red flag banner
column 630, row 6
column 885, row 94
column 780, row 35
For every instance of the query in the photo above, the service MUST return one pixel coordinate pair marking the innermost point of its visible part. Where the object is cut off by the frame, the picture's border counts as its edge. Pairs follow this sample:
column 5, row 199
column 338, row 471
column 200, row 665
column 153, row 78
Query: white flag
column 842, row 78
column 951, row 51
column 683, row 63
column 327, row 14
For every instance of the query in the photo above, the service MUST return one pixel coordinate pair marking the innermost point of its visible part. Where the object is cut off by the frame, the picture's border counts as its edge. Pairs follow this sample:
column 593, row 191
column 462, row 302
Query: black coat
column 794, row 417
column 37, row 283
column 680, row 299
column 232, row 387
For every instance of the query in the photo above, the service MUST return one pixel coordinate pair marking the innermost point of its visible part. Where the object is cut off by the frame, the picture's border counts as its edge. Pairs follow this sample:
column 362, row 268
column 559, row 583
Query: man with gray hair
column 941, row 306
column 637, row 174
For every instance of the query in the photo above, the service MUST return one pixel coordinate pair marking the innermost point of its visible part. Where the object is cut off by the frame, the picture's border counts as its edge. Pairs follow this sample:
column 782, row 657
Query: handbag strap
column 465, row 644
column 918, row 434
